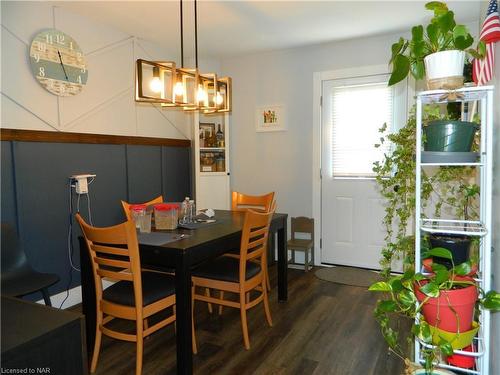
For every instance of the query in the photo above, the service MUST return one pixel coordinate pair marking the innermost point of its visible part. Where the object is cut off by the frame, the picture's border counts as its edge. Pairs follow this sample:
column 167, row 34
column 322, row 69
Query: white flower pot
column 444, row 64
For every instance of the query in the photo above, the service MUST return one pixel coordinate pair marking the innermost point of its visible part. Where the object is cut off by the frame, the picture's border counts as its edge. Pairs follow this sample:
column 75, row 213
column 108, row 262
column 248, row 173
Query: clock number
column 42, row 47
column 48, row 38
column 60, row 39
column 41, row 71
column 37, row 57
column 80, row 80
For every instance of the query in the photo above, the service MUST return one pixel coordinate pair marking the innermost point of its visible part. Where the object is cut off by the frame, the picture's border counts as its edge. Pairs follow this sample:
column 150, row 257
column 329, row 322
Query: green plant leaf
column 400, row 69
column 446, row 348
column 440, row 276
column 407, row 298
column 417, row 33
column 418, row 69
column 380, row 286
column 440, row 252
column 433, row 34
column 481, row 48
column 474, row 53
column 461, row 37
column 430, row 289
column 387, row 306
column 446, row 22
column 424, row 332
column 396, row 49
column 436, row 5
column 463, row 269
column 492, row 301
column 438, row 267
column 396, row 284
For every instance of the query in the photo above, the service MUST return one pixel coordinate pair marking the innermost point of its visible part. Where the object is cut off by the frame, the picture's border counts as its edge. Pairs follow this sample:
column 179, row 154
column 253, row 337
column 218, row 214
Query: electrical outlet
column 81, row 182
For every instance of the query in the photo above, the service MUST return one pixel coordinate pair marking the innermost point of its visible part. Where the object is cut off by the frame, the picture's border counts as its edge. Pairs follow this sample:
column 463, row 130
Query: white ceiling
column 230, row 28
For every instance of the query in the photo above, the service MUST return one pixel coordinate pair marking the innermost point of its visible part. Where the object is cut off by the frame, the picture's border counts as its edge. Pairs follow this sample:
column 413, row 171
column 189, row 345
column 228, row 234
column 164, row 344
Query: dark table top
column 24, row 321
column 229, row 223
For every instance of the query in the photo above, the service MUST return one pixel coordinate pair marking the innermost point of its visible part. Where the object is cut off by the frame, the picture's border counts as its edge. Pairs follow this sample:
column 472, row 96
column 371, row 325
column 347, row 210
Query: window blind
column 357, row 113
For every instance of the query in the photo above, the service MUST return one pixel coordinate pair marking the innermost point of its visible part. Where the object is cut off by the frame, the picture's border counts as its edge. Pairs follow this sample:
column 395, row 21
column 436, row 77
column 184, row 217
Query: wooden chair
column 242, row 202
column 136, row 295
column 239, row 276
column 302, row 225
column 126, row 205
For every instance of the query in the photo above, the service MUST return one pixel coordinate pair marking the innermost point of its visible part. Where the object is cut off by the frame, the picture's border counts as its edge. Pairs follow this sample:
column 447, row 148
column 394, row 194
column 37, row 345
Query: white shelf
column 480, row 228
column 466, row 94
column 452, row 164
column 465, row 227
column 210, row 149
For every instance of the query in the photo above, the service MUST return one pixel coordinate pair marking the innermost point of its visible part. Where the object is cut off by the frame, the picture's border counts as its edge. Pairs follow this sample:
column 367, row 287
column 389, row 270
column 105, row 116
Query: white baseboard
column 74, row 298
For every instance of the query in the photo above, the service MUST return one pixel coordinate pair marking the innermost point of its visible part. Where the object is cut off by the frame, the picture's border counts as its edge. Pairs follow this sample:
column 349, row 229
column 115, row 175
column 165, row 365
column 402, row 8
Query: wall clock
column 57, row 62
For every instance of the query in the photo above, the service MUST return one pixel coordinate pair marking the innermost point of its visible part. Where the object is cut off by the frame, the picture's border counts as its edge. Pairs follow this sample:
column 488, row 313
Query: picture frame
column 270, row 118
column 204, row 126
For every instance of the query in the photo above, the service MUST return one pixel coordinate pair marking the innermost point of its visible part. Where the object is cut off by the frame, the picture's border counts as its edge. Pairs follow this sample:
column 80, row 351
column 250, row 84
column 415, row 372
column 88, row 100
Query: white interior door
column 352, row 209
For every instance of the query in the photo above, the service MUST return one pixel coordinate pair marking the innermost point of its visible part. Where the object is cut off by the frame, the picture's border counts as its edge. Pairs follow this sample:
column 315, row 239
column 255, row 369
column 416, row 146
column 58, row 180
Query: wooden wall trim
column 64, row 137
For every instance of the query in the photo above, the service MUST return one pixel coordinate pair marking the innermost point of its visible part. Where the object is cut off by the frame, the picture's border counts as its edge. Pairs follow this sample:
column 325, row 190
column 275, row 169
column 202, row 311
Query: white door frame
column 318, row 78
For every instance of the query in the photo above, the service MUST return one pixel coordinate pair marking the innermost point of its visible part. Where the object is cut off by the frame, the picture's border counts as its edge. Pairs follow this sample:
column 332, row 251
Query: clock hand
column 64, row 70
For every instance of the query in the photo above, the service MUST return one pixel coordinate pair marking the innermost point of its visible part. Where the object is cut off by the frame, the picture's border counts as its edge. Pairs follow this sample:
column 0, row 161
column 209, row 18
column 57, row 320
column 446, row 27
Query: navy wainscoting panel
column 36, row 193
column 176, row 164
column 8, row 193
column 144, row 173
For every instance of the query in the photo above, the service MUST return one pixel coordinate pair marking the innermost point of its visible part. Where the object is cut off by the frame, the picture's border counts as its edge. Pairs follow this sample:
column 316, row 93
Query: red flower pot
column 442, row 312
column 462, row 361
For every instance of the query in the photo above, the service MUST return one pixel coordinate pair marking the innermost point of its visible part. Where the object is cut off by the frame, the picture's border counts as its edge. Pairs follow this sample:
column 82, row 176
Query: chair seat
column 225, row 269
column 26, row 282
column 301, row 244
column 155, row 286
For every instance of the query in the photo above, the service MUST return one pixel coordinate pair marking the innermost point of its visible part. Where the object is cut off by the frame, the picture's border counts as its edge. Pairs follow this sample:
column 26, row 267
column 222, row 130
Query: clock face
column 58, row 63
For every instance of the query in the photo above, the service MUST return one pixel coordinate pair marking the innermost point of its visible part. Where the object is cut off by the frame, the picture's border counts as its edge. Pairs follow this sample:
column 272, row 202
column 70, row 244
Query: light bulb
column 179, row 89
column 218, row 98
column 155, row 85
column 201, row 95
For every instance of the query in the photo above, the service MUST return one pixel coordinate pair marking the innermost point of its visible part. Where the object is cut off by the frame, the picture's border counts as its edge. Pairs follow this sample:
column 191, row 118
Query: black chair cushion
column 225, row 269
column 155, row 286
column 26, row 281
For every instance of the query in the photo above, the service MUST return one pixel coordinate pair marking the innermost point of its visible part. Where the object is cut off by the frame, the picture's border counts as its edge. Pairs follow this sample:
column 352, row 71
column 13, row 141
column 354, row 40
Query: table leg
column 183, row 322
column 88, row 296
column 282, row 263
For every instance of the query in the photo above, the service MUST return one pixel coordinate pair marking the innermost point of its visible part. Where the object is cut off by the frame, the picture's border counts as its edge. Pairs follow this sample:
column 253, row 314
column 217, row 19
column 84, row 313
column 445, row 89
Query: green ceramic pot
column 449, row 136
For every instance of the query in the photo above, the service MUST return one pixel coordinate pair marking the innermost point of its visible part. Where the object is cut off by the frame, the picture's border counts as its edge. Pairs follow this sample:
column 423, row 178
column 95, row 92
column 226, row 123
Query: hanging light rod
column 163, row 83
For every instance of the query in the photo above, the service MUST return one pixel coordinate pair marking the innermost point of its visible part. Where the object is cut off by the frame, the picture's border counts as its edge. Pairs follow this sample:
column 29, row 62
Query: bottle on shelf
column 202, row 139
column 219, row 137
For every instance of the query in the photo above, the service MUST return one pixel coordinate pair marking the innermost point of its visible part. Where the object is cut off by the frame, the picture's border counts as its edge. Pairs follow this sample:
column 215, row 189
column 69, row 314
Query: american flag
column 482, row 70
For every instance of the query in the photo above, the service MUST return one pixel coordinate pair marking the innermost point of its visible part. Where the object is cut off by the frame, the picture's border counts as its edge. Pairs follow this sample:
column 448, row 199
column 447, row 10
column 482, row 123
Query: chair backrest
column 126, row 205
column 254, row 237
column 241, row 202
column 114, row 254
column 13, row 256
column 302, row 224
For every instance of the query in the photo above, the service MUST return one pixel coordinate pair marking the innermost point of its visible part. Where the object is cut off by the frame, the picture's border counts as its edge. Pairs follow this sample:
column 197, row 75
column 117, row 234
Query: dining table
column 185, row 249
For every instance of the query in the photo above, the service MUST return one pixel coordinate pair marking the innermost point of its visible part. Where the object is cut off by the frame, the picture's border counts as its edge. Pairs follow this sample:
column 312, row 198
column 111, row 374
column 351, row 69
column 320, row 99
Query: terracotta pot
column 438, row 311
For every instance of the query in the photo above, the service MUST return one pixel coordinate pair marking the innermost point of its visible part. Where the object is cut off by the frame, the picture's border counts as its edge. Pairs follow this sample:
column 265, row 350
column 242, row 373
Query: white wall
column 106, row 105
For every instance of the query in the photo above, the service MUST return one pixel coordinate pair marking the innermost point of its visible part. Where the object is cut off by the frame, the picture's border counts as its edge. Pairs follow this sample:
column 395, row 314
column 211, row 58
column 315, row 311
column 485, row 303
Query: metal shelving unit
column 480, row 228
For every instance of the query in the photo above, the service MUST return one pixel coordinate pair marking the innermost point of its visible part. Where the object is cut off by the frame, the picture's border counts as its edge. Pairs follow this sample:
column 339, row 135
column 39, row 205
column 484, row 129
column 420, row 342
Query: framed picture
column 207, row 128
column 270, row 118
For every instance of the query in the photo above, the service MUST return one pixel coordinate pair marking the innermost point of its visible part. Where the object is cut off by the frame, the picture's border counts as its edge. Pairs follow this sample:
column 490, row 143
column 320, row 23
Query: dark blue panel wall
column 144, row 168
column 176, row 164
column 8, row 196
column 35, row 176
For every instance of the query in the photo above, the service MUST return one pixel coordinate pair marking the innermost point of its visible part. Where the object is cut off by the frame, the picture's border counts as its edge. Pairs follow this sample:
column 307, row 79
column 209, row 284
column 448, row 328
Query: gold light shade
column 224, row 94
column 155, row 81
column 208, row 83
column 186, row 97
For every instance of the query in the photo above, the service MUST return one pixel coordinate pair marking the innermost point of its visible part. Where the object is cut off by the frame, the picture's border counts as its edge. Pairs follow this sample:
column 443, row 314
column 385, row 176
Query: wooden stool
column 302, row 225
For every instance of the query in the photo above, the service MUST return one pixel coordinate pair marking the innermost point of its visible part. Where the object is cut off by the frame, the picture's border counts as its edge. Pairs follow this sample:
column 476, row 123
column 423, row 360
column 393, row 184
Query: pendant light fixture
column 164, row 83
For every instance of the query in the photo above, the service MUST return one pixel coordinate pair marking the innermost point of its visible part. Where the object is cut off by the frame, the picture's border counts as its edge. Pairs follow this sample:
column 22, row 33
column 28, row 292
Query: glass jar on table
column 166, row 215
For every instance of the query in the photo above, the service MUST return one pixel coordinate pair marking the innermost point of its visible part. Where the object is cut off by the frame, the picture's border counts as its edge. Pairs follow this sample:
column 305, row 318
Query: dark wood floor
column 324, row 328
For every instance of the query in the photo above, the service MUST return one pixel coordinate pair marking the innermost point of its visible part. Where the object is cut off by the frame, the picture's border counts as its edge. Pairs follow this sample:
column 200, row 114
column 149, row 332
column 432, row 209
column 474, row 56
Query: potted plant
column 416, row 296
column 454, row 187
column 437, row 51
